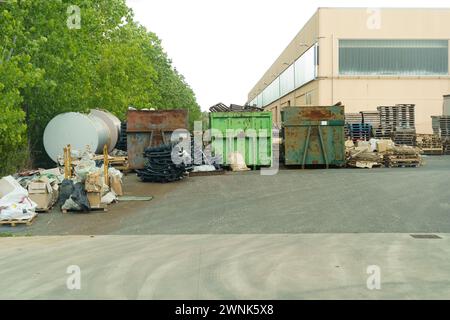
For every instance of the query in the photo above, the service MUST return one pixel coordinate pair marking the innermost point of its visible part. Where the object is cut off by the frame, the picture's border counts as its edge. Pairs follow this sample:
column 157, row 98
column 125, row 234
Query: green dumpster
column 313, row 136
column 246, row 133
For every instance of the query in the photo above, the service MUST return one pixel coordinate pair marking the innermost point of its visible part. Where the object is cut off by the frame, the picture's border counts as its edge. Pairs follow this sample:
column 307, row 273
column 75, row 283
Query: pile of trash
column 381, row 153
column 165, row 163
column 89, row 188
column 77, row 185
column 15, row 203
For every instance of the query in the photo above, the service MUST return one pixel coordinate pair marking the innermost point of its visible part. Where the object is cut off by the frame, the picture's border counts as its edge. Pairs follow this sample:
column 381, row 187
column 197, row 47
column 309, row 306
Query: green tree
column 16, row 74
column 109, row 62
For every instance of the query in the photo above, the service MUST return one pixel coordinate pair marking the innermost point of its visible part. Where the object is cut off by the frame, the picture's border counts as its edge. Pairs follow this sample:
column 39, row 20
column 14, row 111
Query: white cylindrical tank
column 113, row 124
column 80, row 130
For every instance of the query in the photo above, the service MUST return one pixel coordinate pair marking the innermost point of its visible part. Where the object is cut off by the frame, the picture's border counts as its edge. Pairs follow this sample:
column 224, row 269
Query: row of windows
column 364, row 57
column 393, row 57
column 302, row 71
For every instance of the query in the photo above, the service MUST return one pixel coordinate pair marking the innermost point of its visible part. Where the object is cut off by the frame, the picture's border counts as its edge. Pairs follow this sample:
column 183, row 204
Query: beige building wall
column 306, row 38
column 361, row 93
column 366, row 93
column 307, row 94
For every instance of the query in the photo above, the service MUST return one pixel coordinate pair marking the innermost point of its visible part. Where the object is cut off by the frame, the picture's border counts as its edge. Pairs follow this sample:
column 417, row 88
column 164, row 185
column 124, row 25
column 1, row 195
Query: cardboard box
column 94, row 182
column 7, row 185
column 116, row 185
column 42, row 194
column 95, row 199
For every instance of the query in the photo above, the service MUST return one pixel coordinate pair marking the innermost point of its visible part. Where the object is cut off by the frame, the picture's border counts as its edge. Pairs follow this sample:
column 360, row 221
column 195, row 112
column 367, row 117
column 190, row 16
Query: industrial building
column 364, row 58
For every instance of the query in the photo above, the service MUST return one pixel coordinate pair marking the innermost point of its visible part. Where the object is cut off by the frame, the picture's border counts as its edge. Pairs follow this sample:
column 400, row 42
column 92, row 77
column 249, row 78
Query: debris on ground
column 362, row 155
column 15, row 204
column 381, row 153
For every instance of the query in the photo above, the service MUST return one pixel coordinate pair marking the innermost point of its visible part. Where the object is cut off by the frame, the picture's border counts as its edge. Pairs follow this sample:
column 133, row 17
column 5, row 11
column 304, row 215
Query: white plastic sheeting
column 15, row 203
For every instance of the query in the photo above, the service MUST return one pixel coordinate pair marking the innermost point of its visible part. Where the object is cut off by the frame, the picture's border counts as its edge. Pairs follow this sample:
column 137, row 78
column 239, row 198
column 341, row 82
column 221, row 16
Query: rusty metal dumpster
column 246, row 133
column 313, row 136
column 151, row 128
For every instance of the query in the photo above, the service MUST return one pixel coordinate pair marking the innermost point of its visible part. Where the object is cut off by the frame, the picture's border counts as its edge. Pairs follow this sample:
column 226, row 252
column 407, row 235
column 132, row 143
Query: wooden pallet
column 406, row 160
column 353, row 118
column 364, row 164
column 371, row 117
column 15, row 222
column 47, row 210
column 403, row 165
column 401, row 115
column 102, row 208
column 433, row 151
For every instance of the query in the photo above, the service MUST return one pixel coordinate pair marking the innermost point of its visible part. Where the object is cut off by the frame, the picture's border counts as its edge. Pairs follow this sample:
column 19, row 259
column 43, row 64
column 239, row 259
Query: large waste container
column 246, row 133
column 151, row 128
column 313, row 136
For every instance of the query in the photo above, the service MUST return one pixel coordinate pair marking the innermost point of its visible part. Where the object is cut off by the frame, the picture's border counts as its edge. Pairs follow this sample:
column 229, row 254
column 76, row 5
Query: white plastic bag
column 15, row 204
column 83, row 168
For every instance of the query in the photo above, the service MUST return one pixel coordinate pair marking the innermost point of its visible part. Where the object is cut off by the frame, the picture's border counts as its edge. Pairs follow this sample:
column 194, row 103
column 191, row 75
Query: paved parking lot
column 305, row 266
column 313, row 201
column 296, row 235
column 400, row 200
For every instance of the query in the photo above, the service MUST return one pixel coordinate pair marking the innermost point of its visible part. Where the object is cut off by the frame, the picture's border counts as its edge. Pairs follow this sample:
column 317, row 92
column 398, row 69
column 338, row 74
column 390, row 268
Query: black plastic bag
column 79, row 196
column 65, row 191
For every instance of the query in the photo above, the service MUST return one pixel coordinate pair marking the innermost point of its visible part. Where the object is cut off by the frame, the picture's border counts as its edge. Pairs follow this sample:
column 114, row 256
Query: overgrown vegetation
column 54, row 60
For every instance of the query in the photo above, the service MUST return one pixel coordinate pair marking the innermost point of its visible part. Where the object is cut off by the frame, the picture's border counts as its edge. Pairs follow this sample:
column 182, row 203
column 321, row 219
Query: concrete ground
column 298, row 234
column 305, row 266
column 293, row 201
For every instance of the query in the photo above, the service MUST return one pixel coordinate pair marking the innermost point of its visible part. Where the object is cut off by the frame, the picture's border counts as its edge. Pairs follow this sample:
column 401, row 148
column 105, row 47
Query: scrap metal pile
column 220, row 107
column 160, row 166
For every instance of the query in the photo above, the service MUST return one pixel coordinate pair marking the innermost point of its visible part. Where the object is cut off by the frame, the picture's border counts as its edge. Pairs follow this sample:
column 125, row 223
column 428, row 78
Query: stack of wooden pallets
column 404, row 156
column 400, row 119
column 436, row 125
column 371, row 117
column 353, row 118
column 381, row 132
column 403, row 136
column 444, row 125
column 430, row 144
column 400, row 115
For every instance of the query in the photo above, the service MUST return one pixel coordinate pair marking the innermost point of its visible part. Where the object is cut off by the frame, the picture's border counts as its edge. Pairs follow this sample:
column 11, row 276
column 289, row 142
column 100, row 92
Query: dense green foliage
column 49, row 65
